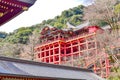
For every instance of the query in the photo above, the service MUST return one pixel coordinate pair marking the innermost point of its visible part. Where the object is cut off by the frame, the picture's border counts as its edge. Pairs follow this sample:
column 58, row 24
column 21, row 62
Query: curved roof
column 19, row 67
column 11, row 8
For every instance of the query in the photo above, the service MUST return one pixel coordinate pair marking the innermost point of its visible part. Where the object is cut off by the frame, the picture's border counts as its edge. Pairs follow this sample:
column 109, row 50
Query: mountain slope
column 72, row 15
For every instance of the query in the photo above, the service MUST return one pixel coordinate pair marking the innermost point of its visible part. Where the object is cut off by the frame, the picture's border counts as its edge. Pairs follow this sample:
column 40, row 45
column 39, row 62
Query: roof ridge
column 42, row 64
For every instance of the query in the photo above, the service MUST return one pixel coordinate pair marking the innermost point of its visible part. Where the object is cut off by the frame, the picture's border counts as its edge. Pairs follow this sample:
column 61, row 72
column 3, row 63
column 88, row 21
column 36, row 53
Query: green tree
column 67, row 13
column 3, row 34
column 19, row 36
column 59, row 25
column 76, row 19
column 117, row 9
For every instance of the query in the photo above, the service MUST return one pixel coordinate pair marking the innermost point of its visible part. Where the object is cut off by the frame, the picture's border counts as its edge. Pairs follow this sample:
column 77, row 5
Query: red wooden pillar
column 95, row 68
column 65, row 57
column 45, row 54
column 59, row 53
column 79, row 47
column 40, row 54
column 101, row 67
column 49, row 54
column 71, row 54
column 107, row 66
column 95, row 40
column 86, row 50
column 79, row 51
column 59, row 36
column 53, row 54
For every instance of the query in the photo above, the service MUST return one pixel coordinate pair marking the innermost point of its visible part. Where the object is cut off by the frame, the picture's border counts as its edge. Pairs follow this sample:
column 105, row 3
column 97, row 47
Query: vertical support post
column 40, row 54
column 36, row 55
column 54, row 38
column 79, row 47
column 45, row 54
column 53, row 54
column 107, row 65
column 101, row 68
column 65, row 53
column 59, row 53
column 79, row 55
column 86, row 50
column 95, row 68
column 71, row 54
column 49, row 54
column 59, row 36
column 96, row 51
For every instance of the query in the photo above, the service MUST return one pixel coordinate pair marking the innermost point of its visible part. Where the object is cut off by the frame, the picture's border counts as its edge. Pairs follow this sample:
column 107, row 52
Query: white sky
column 41, row 10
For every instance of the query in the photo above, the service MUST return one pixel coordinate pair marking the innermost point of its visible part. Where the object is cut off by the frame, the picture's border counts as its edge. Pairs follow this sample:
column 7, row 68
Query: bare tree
column 102, row 10
column 10, row 50
column 29, row 48
column 110, row 44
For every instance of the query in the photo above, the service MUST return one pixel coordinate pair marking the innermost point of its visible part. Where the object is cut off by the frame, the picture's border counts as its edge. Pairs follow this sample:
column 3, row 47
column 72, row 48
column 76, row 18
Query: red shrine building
column 73, row 47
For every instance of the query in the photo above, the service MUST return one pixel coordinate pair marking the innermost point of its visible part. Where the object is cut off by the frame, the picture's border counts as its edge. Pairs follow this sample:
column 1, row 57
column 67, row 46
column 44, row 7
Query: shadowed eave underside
column 11, row 8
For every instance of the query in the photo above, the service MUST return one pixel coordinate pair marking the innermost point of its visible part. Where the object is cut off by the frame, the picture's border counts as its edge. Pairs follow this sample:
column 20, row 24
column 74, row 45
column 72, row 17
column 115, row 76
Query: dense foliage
column 73, row 16
column 19, row 36
column 3, row 34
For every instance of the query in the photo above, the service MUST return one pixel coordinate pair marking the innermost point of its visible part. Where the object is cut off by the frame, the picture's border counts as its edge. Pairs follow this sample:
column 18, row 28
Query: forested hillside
column 96, row 14
column 21, row 35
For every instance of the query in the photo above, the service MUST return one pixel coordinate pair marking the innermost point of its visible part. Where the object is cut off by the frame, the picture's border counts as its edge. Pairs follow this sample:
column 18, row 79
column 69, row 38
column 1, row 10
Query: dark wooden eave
column 11, row 8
